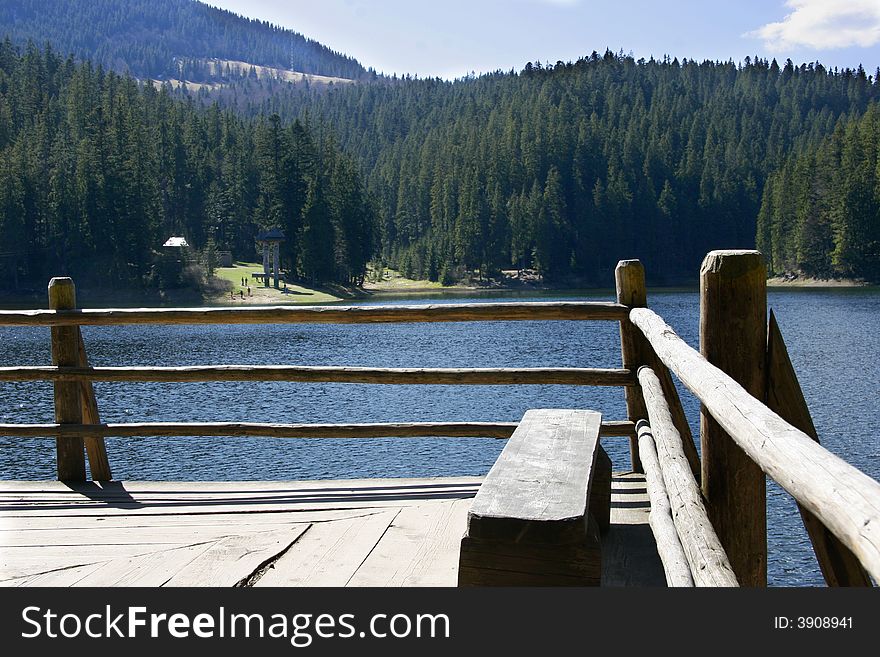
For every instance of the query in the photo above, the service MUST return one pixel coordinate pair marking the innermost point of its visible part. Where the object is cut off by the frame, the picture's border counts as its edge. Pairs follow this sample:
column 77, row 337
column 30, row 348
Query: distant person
column 249, row 290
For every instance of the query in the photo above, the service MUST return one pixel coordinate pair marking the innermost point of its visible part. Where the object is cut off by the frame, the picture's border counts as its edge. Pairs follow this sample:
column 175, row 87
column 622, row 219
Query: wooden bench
column 534, row 521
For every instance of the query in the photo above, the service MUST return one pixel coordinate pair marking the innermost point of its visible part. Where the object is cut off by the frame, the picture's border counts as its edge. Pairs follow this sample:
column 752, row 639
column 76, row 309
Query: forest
column 820, row 213
column 559, row 169
column 159, row 38
column 568, row 168
column 97, row 171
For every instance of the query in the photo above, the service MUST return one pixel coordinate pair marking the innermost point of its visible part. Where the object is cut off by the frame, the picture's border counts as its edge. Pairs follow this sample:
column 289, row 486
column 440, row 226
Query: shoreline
column 133, row 298
column 807, row 282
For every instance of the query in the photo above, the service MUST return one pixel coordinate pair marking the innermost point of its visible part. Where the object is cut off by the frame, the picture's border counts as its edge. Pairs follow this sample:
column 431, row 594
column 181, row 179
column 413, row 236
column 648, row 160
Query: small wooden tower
column 271, row 239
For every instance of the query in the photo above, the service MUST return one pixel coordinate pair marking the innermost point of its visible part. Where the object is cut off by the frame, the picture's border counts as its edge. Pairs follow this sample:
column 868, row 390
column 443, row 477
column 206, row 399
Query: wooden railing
column 77, row 422
column 710, row 521
column 708, row 506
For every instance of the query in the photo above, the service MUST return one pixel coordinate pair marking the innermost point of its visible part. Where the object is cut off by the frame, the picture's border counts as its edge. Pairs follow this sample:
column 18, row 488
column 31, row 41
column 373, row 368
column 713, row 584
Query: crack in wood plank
column 249, row 580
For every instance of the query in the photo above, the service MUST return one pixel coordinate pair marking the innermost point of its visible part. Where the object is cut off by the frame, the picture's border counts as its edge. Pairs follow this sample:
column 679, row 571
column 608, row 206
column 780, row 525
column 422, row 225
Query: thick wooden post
column 733, row 333
column 68, row 409
column 629, row 278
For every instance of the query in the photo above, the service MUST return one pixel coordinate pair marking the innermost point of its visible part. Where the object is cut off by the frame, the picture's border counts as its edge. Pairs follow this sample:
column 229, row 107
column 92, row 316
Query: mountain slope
column 152, row 38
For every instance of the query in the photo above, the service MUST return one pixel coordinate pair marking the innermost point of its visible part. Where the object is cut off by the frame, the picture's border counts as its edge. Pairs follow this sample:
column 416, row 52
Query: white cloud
column 823, row 25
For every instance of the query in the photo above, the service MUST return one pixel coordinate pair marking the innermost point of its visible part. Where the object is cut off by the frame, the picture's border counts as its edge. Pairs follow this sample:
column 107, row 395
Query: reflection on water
column 830, row 335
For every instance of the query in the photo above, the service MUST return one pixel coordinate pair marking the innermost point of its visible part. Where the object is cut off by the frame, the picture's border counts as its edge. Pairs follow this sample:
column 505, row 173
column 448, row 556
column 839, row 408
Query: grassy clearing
column 260, row 295
column 392, row 281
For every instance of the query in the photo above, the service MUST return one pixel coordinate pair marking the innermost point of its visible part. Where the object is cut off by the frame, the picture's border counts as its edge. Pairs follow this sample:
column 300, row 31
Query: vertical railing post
column 733, row 333
column 629, row 278
column 71, row 461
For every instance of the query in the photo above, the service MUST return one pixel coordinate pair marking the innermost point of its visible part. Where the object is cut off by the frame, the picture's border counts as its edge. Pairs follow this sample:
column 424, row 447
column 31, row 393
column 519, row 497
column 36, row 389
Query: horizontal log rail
column 462, row 312
column 709, row 563
column 264, row 430
column 573, row 376
column 669, row 548
column 846, row 500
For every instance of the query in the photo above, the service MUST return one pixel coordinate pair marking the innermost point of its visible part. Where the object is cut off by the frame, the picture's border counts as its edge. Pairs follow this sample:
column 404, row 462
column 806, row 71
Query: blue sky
column 455, row 37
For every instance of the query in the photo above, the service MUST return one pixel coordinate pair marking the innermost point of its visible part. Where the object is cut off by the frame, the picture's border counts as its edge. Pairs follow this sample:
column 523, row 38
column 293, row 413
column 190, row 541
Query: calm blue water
column 831, row 337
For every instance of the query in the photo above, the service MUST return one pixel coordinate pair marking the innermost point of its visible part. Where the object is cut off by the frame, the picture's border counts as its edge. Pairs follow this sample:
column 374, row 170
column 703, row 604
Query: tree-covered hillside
column 153, row 38
column 97, row 171
column 820, row 213
column 569, row 168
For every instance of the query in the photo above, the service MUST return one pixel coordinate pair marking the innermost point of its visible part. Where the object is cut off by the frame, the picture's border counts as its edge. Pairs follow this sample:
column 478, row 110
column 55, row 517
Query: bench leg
column 485, row 562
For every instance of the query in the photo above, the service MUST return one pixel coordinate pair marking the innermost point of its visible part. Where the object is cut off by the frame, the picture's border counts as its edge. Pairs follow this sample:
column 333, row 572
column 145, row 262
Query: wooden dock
column 374, row 532
column 549, row 512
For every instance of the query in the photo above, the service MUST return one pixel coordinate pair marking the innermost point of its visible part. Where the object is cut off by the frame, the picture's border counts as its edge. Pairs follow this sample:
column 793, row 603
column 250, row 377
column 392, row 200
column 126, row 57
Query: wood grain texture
column 571, row 376
column 71, row 463
column 629, row 279
column 844, row 499
column 232, row 533
column 839, row 565
column 329, row 554
column 675, row 562
column 463, row 312
column 610, row 429
column 733, row 337
column 538, row 489
column 419, row 548
column 266, row 430
column 529, row 524
column 709, row 565
column 96, row 450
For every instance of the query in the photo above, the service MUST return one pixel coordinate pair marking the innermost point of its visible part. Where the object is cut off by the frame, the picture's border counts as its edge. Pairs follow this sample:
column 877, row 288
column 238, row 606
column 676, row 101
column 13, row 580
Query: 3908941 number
column 824, row 622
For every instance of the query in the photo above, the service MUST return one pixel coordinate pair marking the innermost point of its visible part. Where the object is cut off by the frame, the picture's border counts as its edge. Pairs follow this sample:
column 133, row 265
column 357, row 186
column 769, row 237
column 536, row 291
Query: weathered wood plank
column 420, row 548
column 629, row 279
column 675, row 563
column 709, row 564
column 63, row 577
column 266, row 430
column 329, row 554
column 153, row 569
column 629, row 549
column 572, row 376
column 844, row 499
column 463, row 312
column 233, row 559
column 99, row 464
column 839, row 565
column 539, row 487
column 71, row 462
column 529, row 524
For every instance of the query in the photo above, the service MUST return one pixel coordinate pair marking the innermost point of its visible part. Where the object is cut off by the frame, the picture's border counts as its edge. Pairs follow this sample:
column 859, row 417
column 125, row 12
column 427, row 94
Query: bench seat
column 531, row 522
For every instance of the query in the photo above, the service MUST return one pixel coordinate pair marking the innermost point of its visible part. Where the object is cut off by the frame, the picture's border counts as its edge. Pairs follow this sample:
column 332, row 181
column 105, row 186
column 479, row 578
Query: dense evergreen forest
column 820, row 213
column 97, row 171
column 563, row 169
column 155, row 38
column 568, row 168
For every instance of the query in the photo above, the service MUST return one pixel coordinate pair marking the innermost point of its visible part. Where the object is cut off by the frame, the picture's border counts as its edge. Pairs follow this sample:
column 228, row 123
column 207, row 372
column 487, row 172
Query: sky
column 454, row 38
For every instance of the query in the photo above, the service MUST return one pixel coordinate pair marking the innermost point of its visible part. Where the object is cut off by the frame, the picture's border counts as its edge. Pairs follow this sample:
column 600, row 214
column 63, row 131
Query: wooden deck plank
column 152, row 569
column 234, row 559
column 420, row 548
column 227, row 523
column 388, row 533
column 329, row 554
column 629, row 553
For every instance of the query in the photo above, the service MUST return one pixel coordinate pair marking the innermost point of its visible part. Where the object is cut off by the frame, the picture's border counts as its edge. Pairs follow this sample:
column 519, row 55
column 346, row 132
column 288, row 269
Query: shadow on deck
column 379, row 532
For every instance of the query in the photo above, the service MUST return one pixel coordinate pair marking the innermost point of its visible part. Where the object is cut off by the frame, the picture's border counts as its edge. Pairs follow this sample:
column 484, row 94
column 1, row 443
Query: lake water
column 831, row 336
